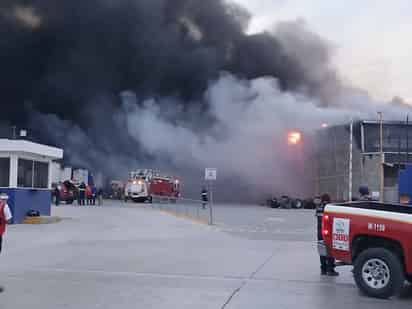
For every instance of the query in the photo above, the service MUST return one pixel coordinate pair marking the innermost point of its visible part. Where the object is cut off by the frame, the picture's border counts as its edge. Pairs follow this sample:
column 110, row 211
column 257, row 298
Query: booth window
column 4, row 172
column 32, row 174
column 41, row 174
column 25, row 173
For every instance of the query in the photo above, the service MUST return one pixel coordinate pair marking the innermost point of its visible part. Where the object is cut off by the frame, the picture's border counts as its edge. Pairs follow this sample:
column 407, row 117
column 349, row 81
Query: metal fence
column 183, row 207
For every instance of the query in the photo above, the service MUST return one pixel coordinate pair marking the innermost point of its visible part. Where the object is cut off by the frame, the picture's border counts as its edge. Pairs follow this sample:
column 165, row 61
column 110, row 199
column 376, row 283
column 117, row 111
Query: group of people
column 87, row 194
column 84, row 194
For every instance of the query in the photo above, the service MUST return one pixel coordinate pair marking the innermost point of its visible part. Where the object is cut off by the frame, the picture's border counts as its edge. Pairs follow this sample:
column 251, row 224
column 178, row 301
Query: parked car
column 67, row 192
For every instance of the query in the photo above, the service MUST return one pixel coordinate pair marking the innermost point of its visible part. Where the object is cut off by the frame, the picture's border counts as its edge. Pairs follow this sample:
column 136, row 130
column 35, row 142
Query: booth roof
column 13, row 146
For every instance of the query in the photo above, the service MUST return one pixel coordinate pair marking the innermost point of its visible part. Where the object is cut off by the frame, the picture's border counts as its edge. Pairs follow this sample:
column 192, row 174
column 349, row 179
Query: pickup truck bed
column 374, row 237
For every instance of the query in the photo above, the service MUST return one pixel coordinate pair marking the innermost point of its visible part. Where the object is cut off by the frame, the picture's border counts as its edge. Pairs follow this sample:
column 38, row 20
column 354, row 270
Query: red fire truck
column 373, row 237
column 143, row 185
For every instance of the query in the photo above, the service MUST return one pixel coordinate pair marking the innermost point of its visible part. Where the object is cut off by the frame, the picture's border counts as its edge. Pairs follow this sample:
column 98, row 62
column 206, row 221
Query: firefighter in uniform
column 204, row 196
column 82, row 194
column 5, row 217
column 364, row 193
column 57, row 195
column 327, row 264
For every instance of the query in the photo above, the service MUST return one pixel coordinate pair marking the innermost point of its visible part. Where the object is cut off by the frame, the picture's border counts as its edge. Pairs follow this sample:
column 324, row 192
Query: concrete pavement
column 138, row 257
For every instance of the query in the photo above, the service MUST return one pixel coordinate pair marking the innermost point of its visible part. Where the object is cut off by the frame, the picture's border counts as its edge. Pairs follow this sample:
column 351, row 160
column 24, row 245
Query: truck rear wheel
column 379, row 273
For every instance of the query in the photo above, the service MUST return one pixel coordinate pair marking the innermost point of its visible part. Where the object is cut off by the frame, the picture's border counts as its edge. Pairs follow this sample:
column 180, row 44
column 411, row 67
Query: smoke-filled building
column 332, row 160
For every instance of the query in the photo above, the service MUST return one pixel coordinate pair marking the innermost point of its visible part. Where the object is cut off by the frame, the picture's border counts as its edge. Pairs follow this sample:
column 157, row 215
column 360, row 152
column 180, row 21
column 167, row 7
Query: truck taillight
column 325, row 226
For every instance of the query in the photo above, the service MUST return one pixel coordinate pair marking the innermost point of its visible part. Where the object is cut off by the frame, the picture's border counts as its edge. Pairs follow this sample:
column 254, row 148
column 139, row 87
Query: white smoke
column 244, row 137
column 247, row 140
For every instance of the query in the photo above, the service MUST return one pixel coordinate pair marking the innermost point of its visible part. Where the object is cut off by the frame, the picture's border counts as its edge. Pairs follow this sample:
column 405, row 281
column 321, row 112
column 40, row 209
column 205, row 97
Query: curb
column 41, row 220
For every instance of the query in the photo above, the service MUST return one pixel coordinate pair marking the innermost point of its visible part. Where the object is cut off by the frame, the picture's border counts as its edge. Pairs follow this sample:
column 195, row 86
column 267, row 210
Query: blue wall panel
column 405, row 182
column 23, row 200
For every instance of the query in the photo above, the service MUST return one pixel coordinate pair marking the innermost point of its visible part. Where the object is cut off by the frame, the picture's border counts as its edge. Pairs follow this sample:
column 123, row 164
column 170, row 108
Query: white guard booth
column 25, row 175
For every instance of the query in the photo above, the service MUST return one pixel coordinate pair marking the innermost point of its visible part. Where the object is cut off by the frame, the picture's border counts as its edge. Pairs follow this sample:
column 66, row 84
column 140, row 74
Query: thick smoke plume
column 170, row 84
column 61, row 55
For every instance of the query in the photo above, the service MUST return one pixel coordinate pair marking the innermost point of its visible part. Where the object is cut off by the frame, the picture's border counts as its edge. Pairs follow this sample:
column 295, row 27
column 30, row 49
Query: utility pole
column 382, row 173
column 399, row 164
column 210, row 202
column 350, row 159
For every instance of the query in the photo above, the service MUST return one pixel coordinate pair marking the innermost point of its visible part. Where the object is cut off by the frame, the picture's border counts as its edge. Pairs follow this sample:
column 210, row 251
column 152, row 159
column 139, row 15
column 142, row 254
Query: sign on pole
column 210, row 174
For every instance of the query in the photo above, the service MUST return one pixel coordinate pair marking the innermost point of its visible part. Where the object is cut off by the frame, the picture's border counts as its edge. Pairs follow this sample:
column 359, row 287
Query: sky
column 371, row 39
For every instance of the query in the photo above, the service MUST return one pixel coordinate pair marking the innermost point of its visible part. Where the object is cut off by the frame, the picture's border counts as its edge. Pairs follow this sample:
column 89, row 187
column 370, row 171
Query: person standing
column 94, row 193
column 327, row 264
column 5, row 217
column 88, row 194
column 100, row 197
column 364, row 193
column 82, row 193
column 57, row 195
column 205, row 198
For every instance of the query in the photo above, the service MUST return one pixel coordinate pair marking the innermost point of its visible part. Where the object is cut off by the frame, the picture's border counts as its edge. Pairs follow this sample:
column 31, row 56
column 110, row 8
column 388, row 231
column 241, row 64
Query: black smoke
column 75, row 51
column 65, row 64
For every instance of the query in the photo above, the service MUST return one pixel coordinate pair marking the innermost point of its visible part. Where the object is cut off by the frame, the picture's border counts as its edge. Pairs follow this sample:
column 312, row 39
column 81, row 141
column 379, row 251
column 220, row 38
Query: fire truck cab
column 137, row 188
column 145, row 184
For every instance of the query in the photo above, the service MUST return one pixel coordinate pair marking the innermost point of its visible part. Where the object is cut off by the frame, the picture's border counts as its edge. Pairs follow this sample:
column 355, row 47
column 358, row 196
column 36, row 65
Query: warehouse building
column 332, row 160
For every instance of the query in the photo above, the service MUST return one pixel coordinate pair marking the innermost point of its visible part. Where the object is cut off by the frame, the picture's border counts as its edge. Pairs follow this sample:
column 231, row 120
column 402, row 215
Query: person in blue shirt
column 94, row 194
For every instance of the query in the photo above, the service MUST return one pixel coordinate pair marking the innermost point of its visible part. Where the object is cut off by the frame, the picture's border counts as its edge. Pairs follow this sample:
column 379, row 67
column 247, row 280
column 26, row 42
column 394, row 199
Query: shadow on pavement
column 406, row 292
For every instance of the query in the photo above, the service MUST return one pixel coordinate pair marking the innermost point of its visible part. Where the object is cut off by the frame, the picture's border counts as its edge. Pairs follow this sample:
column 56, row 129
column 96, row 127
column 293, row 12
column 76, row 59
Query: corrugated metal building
column 331, row 171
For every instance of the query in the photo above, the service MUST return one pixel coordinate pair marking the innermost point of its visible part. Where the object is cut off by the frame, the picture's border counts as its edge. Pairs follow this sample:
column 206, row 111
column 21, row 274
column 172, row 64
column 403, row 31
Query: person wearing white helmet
column 5, row 217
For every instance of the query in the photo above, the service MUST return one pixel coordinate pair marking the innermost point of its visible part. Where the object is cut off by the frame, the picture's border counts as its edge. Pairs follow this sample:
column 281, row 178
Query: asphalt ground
column 138, row 256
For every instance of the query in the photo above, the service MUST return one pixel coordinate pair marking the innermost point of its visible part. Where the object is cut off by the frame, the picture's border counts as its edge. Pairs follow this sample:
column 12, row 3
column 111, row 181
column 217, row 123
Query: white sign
column 210, row 174
column 340, row 236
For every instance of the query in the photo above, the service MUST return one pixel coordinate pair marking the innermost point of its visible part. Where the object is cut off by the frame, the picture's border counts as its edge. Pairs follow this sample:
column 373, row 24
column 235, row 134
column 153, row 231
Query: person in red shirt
column 5, row 217
column 89, row 195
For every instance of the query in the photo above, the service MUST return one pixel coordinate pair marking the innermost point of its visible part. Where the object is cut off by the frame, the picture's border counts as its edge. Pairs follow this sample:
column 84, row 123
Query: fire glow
column 294, row 138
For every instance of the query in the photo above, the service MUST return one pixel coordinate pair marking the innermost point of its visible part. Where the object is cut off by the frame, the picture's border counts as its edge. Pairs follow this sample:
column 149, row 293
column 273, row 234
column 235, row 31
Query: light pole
column 350, row 159
column 382, row 172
